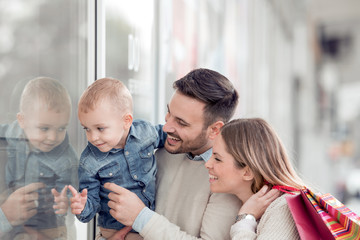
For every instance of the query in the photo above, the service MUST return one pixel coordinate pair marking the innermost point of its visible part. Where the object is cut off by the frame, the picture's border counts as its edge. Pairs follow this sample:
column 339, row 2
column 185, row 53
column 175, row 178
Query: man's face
column 185, row 126
column 45, row 129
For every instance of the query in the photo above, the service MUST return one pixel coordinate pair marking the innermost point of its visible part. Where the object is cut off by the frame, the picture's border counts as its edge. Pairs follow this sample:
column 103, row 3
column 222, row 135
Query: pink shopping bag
column 323, row 217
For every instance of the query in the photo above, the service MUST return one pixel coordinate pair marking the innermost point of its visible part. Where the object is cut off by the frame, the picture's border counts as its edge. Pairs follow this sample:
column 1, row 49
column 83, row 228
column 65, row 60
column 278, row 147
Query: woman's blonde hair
column 254, row 143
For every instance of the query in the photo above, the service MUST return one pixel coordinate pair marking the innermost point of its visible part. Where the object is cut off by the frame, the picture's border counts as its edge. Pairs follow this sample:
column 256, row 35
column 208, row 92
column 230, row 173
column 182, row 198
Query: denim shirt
column 133, row 167
column 25, row 165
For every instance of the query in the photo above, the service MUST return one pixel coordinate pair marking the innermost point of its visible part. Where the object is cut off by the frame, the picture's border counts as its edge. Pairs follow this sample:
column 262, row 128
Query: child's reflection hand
column 78, row 200
column 61, row 201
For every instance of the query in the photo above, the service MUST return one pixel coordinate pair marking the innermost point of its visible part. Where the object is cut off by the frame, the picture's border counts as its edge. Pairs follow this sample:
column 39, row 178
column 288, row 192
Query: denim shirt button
column 144, row 190
column 126, row 153
column 110, row 174
column 135, row 176
column 41, row 174
column 149, row 154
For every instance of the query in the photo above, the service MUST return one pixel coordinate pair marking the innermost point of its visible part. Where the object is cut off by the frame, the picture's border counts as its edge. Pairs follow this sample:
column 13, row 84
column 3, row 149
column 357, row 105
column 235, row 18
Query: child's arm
column 161, row 136
column 78, row 200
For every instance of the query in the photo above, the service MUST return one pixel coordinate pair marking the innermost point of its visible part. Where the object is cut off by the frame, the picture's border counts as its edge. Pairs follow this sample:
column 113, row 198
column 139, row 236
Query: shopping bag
column 323, row 217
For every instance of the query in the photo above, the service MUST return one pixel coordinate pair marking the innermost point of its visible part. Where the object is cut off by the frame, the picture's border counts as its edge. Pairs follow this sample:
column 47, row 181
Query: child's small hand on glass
column 61, row 200
column 78, row 200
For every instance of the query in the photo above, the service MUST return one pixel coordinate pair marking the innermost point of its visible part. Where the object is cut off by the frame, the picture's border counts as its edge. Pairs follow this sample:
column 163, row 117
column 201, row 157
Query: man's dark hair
column 212, row 88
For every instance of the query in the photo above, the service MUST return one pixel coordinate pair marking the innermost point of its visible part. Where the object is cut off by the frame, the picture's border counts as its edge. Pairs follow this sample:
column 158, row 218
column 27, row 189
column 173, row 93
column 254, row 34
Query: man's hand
column 22, row 204
column 61, row 201
column 258, row 203
column 78, row 200
column 124, row 205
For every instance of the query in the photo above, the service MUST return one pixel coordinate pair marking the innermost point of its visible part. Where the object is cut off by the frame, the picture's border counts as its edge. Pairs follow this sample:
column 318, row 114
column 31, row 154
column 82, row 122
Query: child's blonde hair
column 45, row 92
column 106, row 88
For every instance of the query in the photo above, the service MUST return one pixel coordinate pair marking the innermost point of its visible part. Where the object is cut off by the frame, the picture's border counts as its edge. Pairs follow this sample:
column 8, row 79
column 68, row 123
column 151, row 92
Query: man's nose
column 169, row 126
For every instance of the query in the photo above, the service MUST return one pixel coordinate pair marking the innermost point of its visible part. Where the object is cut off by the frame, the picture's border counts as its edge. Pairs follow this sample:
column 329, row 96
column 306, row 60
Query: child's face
column 45, row 129
column 106, row 127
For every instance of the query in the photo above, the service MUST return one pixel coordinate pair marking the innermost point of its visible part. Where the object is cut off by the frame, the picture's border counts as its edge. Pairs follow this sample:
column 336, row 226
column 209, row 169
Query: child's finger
column 84, row 193
column 73, row 191
column 54, row 192
column 63, row 191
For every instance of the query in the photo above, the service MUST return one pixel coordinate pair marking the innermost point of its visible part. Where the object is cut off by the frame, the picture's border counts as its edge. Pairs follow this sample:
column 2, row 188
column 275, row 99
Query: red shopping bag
column 323, row 217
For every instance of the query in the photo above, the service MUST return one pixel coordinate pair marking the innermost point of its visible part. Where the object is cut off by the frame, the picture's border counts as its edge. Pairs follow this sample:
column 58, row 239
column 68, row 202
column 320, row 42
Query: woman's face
column 224, row 176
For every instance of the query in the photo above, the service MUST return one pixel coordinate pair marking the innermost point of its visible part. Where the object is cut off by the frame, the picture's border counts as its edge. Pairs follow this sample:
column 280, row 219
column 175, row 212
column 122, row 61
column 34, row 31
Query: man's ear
column 215, row 129
column 248, row 174
column 128, row 119
column 21, row 119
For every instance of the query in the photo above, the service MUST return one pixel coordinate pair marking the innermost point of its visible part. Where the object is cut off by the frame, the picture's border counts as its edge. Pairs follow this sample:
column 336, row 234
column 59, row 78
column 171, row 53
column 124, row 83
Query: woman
column 246, row 156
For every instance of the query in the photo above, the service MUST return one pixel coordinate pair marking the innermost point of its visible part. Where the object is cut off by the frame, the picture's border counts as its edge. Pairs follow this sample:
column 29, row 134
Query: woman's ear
column 128, row 119
column 20, row 118
column 248, row 174
column 215, row 129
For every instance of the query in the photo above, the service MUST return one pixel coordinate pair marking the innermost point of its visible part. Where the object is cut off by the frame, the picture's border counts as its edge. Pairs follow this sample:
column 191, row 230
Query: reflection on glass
column 38, row 151
column 40, row 38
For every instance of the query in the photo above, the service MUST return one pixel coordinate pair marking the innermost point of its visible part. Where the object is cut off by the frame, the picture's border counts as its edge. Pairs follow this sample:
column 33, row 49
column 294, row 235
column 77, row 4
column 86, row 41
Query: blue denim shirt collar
column 202, row 157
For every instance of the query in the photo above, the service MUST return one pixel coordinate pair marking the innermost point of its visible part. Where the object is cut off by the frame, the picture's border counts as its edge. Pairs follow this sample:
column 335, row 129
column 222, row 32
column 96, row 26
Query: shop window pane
column 130, row 51
column 46, row 39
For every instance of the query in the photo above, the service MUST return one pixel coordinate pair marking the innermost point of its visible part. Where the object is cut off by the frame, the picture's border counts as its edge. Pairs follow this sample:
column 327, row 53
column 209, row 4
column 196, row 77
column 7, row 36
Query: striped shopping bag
column 320, row 216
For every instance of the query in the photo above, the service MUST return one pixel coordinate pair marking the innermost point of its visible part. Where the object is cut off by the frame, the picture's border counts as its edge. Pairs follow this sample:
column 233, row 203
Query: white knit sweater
column 276, row 223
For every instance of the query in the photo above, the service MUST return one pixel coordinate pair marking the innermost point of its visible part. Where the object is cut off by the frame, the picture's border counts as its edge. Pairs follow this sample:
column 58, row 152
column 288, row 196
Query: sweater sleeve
column 217, row 219
column 277, row 223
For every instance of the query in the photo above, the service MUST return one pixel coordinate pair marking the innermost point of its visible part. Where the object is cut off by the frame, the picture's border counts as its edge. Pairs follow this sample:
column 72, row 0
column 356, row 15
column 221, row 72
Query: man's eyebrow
column 177, row 118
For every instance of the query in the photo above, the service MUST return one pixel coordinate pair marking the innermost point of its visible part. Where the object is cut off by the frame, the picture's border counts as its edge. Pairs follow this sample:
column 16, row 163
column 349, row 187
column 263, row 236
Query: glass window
column 129, row 51
column 41, row 40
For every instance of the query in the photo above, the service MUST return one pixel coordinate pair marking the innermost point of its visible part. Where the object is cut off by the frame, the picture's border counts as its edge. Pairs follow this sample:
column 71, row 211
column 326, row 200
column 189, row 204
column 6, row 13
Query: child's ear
column 248, row 174
column 215, row 129
column 128, row 119
column 20, row 118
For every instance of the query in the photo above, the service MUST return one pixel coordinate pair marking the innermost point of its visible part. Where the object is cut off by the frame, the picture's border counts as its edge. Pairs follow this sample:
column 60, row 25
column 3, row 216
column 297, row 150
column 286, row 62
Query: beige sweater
column 276, row 223
column 185, row 207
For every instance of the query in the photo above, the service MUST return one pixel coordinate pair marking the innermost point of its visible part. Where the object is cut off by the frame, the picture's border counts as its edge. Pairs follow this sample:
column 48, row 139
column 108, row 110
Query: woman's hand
column 258, row 203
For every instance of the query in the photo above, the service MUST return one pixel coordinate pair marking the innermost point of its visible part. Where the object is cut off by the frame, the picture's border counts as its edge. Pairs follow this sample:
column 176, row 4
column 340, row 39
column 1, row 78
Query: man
column 185, row 208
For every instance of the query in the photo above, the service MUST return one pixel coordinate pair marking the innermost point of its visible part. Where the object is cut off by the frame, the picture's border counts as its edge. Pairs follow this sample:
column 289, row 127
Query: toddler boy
column 39, row 151
column 119, row 150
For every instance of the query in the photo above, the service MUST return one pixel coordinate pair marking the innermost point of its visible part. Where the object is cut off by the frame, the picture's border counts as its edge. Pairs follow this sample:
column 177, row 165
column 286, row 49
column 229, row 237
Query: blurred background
column 294, row 62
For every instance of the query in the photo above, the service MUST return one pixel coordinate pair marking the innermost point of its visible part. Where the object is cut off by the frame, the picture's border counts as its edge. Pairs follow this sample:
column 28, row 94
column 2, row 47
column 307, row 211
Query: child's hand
column 78, row 200
column 120, row 235
column 61, row 201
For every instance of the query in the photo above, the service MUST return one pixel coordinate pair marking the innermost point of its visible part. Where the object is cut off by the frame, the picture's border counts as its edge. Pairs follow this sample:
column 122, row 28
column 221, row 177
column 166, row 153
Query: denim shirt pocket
column 109, row 172
column 147, row 158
